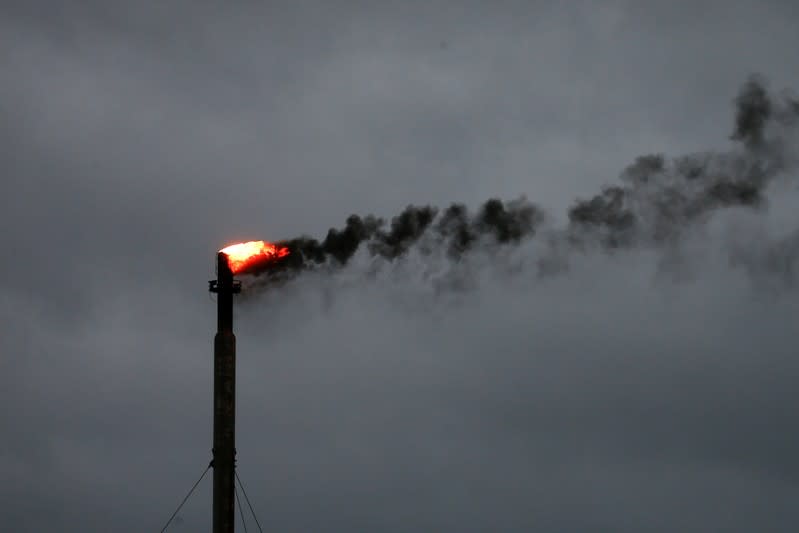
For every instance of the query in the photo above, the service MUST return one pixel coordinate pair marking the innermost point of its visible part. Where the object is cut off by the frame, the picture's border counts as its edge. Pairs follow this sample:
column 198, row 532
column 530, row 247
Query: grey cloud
column 644, row 390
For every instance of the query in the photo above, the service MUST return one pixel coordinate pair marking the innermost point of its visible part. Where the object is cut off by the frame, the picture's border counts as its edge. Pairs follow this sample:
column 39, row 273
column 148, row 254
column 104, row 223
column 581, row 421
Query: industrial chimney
column 224, row 451
column 234, row 259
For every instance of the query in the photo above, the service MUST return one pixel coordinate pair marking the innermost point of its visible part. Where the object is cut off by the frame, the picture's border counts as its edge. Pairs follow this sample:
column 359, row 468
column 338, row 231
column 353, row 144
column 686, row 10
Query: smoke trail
column 657, row 201
column 455, row 227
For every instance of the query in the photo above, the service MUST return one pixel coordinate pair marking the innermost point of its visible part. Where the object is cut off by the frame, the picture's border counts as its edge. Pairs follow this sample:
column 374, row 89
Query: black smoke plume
column 754, row 112
column 456, row 228
column 656, row 201
column 659, row 199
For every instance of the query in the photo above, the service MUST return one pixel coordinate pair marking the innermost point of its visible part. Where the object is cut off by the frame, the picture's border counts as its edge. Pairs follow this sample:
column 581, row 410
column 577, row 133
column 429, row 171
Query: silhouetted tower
column 224, row 451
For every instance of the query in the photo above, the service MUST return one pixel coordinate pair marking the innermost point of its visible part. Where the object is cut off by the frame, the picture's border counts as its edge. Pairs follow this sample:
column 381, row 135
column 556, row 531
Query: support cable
column 241, row 513
column 207, row 468
column 247, row 499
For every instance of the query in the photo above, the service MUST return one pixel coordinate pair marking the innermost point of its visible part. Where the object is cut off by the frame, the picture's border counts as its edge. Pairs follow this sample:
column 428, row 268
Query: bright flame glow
column 248, row 254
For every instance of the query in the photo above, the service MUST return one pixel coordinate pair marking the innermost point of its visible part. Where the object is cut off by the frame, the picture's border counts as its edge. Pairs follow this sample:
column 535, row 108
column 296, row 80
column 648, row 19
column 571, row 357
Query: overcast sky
column 137, row 138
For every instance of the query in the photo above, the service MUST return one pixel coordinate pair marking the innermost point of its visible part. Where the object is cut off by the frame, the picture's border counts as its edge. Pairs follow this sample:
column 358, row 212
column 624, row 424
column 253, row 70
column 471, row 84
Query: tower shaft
column 224, row 451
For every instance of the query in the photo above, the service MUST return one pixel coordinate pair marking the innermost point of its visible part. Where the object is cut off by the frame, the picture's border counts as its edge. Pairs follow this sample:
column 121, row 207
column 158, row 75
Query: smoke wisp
column 656, row 202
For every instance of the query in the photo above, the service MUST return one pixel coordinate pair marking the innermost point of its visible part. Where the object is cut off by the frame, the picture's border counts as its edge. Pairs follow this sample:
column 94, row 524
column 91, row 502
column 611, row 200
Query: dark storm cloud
column 138, row 138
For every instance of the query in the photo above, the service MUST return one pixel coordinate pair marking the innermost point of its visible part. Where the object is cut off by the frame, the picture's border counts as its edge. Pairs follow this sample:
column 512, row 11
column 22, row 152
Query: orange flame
column 245, row 255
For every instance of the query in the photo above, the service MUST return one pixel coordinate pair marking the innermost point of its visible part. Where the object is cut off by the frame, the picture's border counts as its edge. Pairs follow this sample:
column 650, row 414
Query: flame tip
column 244, row 255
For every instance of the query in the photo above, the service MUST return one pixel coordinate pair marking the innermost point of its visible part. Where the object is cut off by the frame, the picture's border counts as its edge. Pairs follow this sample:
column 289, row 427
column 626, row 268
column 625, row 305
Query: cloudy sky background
column 627, row 395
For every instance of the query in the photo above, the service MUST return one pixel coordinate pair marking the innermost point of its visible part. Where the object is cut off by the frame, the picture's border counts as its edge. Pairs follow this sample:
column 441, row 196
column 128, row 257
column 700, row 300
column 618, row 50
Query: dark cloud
column 646, row 387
